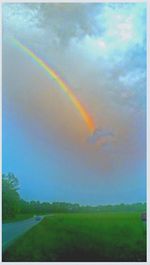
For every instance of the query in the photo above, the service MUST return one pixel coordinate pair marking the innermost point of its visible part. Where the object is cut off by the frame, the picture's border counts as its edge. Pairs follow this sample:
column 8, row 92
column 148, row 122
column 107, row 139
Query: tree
column 10, row 196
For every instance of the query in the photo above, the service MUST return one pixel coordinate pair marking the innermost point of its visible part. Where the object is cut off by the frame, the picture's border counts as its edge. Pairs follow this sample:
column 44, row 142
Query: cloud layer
column 100, row 51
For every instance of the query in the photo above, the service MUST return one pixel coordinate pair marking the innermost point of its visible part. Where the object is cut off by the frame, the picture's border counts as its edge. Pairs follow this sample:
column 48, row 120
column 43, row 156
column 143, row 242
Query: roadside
column 11, row 231
column 19, row 217
column 85, row 237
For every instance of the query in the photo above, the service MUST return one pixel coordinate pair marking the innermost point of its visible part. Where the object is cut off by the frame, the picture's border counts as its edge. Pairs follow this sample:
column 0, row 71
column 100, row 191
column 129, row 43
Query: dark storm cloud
column 98, row 134
column 61, row 22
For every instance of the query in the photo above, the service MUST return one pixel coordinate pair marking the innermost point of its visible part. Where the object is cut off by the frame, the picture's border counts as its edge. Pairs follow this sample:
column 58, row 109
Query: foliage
column 13, row 204
column 10, row 196
column 37, row 207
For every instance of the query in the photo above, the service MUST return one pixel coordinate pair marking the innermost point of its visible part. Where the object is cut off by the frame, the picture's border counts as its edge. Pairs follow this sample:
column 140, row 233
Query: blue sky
column 100, row 51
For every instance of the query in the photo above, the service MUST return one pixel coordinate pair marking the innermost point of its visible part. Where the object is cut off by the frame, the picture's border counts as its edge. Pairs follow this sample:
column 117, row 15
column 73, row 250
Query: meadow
column 83, row 237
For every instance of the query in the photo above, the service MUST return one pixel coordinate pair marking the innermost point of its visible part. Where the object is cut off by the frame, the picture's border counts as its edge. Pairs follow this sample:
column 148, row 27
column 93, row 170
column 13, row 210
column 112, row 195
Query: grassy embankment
column 83, row 237
column 19, row 217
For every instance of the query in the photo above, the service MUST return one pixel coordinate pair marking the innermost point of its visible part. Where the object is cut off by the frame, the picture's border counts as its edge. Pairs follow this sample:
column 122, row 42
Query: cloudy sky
column 99, row 50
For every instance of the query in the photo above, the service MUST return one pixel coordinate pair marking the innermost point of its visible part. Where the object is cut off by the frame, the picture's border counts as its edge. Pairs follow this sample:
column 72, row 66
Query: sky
column 99, row 50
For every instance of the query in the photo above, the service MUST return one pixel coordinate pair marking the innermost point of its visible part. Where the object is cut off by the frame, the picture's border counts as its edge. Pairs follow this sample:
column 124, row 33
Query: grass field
column 83, row 237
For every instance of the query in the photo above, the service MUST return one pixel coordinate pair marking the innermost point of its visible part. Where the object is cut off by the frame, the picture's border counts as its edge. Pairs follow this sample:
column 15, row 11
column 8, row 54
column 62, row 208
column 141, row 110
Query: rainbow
column 83, row 113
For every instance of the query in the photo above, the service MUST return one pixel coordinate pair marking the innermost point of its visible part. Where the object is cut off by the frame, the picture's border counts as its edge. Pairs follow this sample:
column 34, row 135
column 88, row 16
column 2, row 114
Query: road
column 12, row 231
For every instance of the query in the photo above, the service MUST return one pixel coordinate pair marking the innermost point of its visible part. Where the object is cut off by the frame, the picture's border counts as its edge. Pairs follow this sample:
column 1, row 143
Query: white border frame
column 148, row 124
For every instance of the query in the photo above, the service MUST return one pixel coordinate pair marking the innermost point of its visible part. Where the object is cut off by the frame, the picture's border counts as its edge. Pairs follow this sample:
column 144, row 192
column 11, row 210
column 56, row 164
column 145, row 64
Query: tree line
column 13, row 204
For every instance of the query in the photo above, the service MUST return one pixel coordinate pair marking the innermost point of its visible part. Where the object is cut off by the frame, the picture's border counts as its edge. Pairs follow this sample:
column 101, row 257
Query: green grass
column 19, row 217
column 83, row 237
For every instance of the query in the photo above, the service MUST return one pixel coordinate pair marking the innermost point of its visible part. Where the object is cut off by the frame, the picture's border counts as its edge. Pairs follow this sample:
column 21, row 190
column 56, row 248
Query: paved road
column 11, row 231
